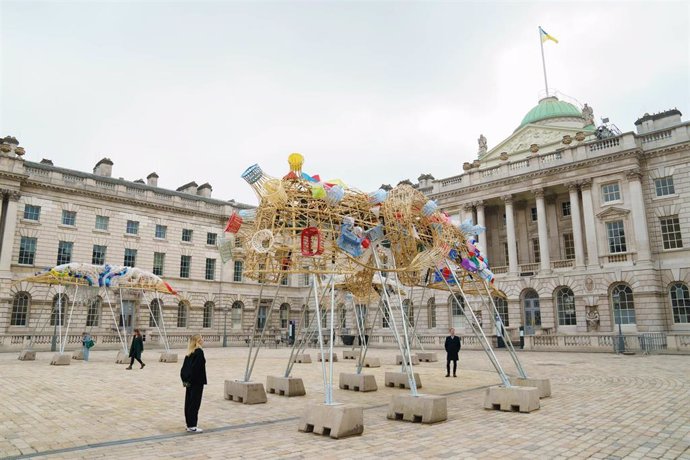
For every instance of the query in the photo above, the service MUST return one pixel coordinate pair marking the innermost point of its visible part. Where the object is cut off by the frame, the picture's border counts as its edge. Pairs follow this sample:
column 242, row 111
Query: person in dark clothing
column 193, row 375
column 452, row 349
column 135, row 349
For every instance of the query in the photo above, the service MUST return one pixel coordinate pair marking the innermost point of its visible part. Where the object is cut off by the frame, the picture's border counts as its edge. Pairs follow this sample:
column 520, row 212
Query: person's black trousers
column 455, row 366
column 192, row 402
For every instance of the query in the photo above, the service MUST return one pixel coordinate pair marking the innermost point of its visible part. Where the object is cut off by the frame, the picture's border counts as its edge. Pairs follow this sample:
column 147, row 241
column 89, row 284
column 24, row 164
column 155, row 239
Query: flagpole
column 543, row 62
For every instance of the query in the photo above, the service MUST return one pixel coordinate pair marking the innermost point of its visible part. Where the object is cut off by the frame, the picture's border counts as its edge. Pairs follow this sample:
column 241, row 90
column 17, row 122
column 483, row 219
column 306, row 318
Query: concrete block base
column 419, row 409
column 334, row 420
column 399, row 380
column 122, row 358
column 371, row 362
column 303, row 358
column 399, row 360
column 244, row 392
column 78, row 354
column 326, row 357
column 427, row 356
column 27, row 355
column 357, row 382
column 168, row 357
column 285, row 386
column 60, row 359
column 512, row 399
column 351, row 354
column 543, row 385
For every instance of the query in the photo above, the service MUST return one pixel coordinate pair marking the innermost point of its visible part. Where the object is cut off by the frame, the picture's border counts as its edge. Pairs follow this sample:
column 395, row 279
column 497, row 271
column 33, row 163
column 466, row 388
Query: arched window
column 680, row 303
column 502, row 308
column 284, row 311
column 60, row 303
column 343, row 316
column 182, row 314
column 532, row 311
column 456, row 311
column 208, row 314
column 305, row 309
column 93, row 315
column 431, row 312
column 20, row 309
column 623, row 305
column 236, row 315
column 409, row 311
column 565, row 303
column 155, row 318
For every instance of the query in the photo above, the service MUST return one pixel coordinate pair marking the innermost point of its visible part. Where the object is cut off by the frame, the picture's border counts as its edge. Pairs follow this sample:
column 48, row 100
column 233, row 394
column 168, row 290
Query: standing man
column 452, row 350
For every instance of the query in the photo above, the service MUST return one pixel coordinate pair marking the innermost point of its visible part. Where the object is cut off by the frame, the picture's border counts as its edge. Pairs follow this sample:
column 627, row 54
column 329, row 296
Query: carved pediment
column 612, row 212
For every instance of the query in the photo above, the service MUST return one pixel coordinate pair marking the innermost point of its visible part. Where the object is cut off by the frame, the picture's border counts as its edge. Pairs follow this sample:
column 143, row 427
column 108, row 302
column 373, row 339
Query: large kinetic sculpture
column 328, row 230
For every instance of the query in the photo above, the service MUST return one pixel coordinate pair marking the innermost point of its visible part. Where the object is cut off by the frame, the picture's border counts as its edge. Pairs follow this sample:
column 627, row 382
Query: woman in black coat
column 135, row 349
column 193, row 375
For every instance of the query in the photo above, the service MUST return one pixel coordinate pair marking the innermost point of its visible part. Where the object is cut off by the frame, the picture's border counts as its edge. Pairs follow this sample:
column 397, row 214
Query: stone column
column 577, row 225
column 479, row 205
column 510, row 229
column 543, row 232
column 7, row 243
column 639, row 219
column 467, row 212
column 590, row 223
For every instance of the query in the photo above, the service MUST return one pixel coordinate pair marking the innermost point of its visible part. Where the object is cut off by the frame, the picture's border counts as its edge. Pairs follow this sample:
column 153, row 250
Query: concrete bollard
column 335, row 420
column 244, row 392
column 418, row 409
column 543, row 385
column 399, row 380
column 512, row 399
column 357, row 382
column 285, row 386
column 27, row 355
column 60, row 359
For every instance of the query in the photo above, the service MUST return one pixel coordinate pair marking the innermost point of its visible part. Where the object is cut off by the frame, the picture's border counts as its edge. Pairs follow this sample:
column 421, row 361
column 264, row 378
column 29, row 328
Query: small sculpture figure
column 592, row 318
column 588, row 115
column 482, row 144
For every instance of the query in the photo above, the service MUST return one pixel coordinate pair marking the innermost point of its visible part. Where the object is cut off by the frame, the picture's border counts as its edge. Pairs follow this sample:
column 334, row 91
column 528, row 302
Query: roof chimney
column 204, row 190
column 152, row 179
column 188, row 188
column 104, row 168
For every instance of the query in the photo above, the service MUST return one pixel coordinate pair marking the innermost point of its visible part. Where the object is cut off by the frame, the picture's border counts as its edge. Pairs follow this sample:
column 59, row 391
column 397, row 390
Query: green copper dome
column 550, row 107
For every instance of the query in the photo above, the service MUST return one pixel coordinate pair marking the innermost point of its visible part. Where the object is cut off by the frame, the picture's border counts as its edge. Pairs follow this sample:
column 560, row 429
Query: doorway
column 127, row 315
column 532, row 312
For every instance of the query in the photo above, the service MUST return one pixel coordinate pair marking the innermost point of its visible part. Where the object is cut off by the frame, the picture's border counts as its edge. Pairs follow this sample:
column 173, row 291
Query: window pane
column 64, row 252
column 102, row 222
column 610, row 192
column 210, row 269
column 158, row 263
column 431, row 312
column 211, row 238
column 186, row 235
column 132, row 227
column 623, row 305
column 98, row 254
column 69, row 218
column 182, row 314
column 680, row 303
column 568, row 246
column 237, row 275
column 161, row 231
column 155, row 318
column 664, row 186
column 185, row 264
column 32, row 212
column 565, row 208
column 130, row 257
column 565, row 301
column 616, row 236
column 93, row 314
column 208, row 314
column 236, row 315
column 20, row 309
column 27, row 250
column 670, row 232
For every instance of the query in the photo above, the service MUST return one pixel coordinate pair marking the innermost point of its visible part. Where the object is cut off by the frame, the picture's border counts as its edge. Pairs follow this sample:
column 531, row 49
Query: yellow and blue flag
column 545, row 36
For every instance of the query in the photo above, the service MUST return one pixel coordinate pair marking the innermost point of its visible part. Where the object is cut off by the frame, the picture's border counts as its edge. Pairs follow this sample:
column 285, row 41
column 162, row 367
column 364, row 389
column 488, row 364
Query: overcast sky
column 369, row 92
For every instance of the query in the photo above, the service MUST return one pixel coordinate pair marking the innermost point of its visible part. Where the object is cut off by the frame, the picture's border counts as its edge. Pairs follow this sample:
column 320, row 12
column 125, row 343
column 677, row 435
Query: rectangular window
column 306, row 279
column 98, row 254
column 611, row 192
column 283, row 280
column 185, row 266
column 211, row 239
column 27, row 251
column 505, row 253
column 670, row 232
column 535, row 250
column 69, row 218
column 565, row 208
column 238, row 242
column 533, row 213
column 568, row 246
column 102, row 222
column 187, row 235
column 664, row 186
column 32, row 212
column 130, row 257
column 237, row 274
column 161, row 231
column 158, row 263
column 132, row 227
column 615, row 232
column 210, row 269
column 64, row 252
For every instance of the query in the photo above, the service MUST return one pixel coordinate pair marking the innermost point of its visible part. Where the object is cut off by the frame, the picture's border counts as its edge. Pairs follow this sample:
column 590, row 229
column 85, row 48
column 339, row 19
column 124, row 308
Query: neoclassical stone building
column 587, row 228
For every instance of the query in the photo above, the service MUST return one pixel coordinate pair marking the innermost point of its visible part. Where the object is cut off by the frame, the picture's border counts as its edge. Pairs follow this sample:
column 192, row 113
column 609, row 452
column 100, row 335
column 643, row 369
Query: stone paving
column 603, row 406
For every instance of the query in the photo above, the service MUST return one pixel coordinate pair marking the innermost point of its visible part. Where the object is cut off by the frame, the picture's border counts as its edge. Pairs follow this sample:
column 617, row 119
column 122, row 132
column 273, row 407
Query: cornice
column 125, row 200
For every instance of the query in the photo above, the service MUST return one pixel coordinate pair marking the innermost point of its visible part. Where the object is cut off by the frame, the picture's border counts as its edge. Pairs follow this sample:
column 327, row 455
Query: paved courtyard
column 603, row 406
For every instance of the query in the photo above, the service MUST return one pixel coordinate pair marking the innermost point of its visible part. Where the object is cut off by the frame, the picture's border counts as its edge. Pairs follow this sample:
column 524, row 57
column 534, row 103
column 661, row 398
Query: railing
column 529, row 267
column 657, row 136
column 518, row 165
column 489, row 172
column 103, row 184
column 566, row 263
column 71, row 178
column 135, row 191
column 653, row 341
column 550, row 157
column 37, row 172
column 451, row 181
column 604, row 144
column 162, row 196
column 617, row 258
column 499, row 270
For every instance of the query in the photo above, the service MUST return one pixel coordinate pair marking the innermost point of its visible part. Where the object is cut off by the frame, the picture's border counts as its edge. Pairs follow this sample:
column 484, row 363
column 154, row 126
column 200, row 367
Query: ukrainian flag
column 545, row 36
